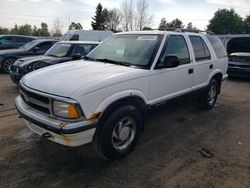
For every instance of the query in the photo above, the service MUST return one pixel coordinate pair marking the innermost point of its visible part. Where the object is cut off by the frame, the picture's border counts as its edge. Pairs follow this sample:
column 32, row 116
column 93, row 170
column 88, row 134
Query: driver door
column 167, row 83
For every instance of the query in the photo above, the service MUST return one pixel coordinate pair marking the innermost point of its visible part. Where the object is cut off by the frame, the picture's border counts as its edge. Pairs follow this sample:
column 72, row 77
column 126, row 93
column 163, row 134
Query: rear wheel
column 119, row 133
column 6, row 64
column 209, row 98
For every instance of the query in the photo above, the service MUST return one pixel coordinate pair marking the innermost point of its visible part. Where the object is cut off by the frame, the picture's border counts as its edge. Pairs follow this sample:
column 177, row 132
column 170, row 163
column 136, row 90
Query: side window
column 8, row 40
column 75, row 37
column 82, row 49
column 218, row 46
column 45, row 46
column 176, row 45
column 201, row 51
column 21, row 40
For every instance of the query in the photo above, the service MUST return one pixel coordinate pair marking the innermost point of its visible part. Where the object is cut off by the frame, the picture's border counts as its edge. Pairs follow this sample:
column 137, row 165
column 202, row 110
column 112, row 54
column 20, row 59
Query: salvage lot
column 167, row 153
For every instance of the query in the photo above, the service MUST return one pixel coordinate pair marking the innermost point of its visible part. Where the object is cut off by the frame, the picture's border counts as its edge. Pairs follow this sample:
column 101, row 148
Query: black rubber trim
column 54, row 129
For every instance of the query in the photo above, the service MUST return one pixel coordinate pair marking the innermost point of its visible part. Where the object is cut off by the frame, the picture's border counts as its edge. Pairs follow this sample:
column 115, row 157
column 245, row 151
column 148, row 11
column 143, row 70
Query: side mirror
column 170, row 61
column 76, row 56
column 35, row 49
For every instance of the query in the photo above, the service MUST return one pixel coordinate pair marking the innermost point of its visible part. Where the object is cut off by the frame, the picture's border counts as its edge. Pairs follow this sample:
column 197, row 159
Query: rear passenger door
column 167, row 83
column 202, row 62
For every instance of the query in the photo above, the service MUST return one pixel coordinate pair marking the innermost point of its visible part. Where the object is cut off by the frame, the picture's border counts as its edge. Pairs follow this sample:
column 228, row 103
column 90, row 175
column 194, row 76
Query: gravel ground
column 166, row 155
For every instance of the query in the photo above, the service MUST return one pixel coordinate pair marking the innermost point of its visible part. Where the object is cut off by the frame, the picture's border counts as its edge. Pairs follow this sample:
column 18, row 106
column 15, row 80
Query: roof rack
column 185, row 30
column 194, row 31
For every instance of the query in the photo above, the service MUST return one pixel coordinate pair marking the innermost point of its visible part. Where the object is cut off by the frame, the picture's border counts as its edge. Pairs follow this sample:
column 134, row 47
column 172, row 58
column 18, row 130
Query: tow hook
column 46, row 135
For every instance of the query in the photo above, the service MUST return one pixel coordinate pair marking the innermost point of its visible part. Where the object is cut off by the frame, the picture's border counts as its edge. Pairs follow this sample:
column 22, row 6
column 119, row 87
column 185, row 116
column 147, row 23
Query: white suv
column 103, row 99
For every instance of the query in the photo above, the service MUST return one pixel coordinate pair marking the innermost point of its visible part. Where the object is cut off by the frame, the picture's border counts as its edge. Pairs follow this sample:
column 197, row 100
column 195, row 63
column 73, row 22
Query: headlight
column 65, row 110
column 36, row 65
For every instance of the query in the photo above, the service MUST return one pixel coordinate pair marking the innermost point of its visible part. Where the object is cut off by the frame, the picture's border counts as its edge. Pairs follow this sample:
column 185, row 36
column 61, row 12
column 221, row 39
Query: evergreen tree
column 98, row 20
column 163, row 24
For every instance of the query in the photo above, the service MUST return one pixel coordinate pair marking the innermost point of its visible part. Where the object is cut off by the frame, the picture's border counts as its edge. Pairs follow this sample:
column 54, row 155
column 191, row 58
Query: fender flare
column 104, row 104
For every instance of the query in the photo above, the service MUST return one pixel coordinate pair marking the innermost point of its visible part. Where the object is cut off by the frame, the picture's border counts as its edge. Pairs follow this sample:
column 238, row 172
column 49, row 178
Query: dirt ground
column 166, row 155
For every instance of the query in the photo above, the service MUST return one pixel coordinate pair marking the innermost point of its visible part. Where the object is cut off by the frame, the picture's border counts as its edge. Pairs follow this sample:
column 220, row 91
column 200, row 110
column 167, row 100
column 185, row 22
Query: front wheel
column 209, row 98
column 119, row 133
column 6, row 64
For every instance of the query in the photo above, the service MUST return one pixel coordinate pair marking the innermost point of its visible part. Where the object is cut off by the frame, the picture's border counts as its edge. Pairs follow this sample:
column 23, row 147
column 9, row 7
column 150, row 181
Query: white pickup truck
column 103, row 99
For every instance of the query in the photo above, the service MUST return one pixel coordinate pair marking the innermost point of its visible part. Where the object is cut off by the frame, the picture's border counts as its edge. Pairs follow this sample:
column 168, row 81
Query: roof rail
column 194, row 31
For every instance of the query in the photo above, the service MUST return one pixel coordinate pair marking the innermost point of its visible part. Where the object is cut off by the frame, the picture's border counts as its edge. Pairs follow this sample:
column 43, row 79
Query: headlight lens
column 65, row 110
column 36, row 65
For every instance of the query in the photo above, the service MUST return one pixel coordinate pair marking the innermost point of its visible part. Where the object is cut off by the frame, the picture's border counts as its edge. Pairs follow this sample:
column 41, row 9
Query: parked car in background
column 104, row 99
column 239, row 57
column 60, row 52
column 35, row 47
column 14, row 41
column 83, row 35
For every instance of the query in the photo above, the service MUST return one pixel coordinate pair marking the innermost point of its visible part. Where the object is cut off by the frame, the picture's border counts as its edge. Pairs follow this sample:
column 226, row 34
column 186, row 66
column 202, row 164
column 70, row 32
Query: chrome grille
column 36, row 101
column 16, row 69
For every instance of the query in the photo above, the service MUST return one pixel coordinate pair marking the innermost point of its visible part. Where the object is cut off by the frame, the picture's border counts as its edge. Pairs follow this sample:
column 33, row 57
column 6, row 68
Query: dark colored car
column 14, row 41
column 61, row 52
column 239, row 65
column 33, row 48
column 239, row 57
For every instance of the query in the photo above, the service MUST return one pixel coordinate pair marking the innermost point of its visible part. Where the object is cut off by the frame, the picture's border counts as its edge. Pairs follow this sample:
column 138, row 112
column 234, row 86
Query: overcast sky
column 36, row 11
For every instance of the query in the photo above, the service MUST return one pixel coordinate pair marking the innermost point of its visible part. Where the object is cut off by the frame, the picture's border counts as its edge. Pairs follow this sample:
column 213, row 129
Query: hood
column 26, row 61
column 10, row 51
column 64, row 79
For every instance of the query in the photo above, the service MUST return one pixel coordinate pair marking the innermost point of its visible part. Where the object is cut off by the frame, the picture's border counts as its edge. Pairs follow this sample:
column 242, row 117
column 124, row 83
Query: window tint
column 218, row 46
column 82, row 49
column 176, row 45
column 75, row 37
column 7, row 40
column 201, row 51
column 44, row 46
column 21, row 40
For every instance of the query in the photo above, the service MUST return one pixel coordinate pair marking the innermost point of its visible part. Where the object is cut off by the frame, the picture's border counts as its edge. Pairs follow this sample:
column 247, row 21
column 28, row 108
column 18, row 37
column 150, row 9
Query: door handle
column 211, row 66
column 190, row 71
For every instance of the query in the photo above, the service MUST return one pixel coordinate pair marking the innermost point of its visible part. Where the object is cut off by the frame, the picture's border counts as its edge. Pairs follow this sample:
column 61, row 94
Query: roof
column 155, row 32
column 18, row 36
column 79, row 42
column 44, row 40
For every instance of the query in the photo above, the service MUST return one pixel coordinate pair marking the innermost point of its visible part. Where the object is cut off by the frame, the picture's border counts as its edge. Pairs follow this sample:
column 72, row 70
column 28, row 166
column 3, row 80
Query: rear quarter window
column 201, row 51
column 218, row 46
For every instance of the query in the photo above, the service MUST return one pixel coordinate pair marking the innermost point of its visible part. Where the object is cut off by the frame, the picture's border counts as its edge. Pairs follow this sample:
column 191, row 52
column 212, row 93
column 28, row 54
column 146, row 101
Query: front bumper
column 15, row 77
column 239, row 72
column 65, row 133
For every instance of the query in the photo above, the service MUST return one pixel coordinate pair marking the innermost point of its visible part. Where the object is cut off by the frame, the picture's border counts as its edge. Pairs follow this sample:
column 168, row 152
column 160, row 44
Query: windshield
column 132, row 49
column 29, row 45
column 66, row 36
column 58, row 50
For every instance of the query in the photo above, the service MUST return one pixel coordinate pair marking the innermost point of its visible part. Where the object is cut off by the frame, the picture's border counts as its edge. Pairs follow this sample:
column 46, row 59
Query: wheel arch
column 218, row 77
column 107, row 106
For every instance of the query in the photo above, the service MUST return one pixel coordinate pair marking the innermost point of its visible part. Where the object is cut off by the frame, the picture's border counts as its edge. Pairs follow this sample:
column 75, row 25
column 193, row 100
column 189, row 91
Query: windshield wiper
column 113, row 62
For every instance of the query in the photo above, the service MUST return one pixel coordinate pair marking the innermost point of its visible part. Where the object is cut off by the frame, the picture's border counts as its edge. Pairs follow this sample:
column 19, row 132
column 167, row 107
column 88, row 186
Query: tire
column 119, row 133
column 6, row 63
column 209, row 98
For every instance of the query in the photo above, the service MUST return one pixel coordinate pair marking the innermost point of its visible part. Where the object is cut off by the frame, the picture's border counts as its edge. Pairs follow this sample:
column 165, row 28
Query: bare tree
column 57, row 27
column 127, row 9
column 143, row 17
column 114, row 19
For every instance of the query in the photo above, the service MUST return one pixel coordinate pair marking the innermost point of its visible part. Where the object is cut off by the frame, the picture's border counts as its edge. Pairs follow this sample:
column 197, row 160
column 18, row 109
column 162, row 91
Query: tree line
column 135, row 15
